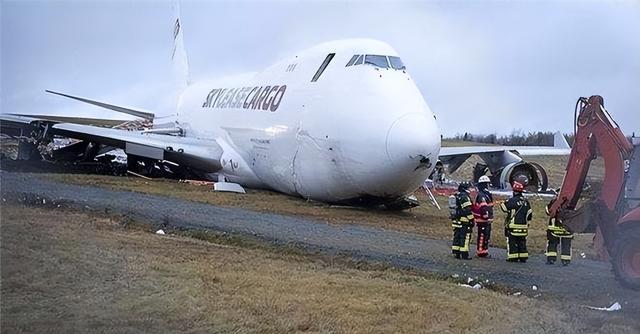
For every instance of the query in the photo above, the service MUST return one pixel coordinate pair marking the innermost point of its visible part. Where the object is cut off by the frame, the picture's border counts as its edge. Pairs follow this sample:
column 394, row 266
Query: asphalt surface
column 584, row 282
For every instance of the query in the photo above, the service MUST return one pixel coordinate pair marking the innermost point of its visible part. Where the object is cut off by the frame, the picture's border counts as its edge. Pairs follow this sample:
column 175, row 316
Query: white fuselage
column 357, row 132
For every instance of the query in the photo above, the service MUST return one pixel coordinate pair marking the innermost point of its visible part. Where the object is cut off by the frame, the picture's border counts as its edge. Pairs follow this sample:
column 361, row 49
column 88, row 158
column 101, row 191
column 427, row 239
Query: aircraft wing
column 560, row 147
column 505, row 162
column 200, row 154
column 465, row 150
column 66, row 119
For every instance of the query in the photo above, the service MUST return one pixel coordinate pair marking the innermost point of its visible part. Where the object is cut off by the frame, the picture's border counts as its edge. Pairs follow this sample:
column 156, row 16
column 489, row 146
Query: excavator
column 613, row 212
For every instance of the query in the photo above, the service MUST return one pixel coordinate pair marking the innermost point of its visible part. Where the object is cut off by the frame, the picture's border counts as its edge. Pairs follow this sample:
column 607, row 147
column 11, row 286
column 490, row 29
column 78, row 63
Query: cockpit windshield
column 379, row 61
column 396, row 63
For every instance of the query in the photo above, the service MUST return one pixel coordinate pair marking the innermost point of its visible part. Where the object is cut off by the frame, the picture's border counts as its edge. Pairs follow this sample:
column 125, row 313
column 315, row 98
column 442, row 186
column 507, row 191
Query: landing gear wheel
column 626, row 256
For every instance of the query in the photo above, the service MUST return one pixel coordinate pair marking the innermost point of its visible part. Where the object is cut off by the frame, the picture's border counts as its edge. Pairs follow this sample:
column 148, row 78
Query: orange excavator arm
column 596, row 135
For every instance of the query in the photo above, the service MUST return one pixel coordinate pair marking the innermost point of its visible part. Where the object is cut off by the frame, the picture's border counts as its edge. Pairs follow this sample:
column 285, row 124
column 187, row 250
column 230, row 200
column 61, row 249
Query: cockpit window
column 353, row 60
column 379, row 61
column 396, row 63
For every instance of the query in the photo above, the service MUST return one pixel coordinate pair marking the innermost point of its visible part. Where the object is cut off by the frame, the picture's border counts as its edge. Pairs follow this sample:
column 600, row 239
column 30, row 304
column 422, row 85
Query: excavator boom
column 598, row 135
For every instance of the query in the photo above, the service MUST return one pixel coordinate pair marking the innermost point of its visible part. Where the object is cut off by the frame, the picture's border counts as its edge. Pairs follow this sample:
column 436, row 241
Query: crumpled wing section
column 7, row 120
column 200, row 154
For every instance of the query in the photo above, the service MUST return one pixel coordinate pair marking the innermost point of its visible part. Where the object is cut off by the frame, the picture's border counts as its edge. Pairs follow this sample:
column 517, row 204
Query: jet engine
column 502, row 168
column 534, row 172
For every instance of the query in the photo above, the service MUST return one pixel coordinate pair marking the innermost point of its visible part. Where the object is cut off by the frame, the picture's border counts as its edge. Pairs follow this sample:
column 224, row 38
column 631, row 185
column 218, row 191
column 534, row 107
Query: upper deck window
column 396, row 63
column 375, row 60
column 322, row 67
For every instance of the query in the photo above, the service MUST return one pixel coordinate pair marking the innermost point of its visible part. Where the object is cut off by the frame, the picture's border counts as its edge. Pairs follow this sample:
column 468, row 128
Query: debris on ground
column 161, row 232
column 517, row 293
column 139, row 175
column 534, row 288
column 477, row 286
column 614, row 307
column 197, row 182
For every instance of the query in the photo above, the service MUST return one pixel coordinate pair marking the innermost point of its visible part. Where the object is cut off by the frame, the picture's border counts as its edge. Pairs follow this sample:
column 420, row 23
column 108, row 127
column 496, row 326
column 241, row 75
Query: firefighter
column 462, row 221
column 519, row 214
column 483, row 216
column 557, row 234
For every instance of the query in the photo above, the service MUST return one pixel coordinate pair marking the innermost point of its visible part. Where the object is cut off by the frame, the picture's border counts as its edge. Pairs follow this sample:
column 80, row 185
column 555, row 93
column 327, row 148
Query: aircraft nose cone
column 413, row 142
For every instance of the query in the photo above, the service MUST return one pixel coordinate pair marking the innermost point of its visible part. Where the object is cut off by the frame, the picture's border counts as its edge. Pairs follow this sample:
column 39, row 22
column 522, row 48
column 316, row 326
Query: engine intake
column 534, row 172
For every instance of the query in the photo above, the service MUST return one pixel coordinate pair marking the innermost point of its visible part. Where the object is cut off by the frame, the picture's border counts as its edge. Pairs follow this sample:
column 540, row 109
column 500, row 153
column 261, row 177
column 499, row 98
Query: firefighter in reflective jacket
column 483, row 216
column 462, row 221
column 516, row 227
column 557, row 234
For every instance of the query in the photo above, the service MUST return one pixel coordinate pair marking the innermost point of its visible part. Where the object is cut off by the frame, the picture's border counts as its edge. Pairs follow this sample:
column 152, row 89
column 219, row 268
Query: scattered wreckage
column 82, row 156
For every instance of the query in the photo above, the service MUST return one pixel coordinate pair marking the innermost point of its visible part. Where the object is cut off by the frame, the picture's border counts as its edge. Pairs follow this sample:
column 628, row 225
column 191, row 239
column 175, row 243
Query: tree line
column 516, row 138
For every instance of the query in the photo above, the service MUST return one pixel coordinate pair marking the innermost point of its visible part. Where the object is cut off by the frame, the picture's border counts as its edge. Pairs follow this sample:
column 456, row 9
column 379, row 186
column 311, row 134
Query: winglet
column 128, row 111
column 559, row 141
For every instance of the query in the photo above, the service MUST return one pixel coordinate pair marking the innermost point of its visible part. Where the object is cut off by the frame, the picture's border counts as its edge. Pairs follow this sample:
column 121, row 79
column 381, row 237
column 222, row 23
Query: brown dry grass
column 70, row 272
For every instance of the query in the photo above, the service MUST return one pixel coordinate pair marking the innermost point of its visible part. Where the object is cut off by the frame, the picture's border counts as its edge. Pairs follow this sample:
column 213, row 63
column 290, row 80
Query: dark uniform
column 557, row 234
column 483, row 217
column 516, row 227
column 462, row 222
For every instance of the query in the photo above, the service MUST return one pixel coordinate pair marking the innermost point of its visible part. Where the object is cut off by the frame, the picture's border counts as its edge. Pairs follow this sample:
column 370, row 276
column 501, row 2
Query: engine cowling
column 534, row 172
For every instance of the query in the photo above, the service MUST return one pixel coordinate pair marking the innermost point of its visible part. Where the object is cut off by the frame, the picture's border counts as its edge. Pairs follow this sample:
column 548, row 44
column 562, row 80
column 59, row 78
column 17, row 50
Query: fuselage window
column 353, row 60
column 322, row 67
column 396, row 63
column 375, row 60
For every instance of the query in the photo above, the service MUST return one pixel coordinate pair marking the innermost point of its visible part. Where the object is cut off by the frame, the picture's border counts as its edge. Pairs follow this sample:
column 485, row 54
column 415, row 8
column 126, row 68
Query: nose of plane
column 413, row 142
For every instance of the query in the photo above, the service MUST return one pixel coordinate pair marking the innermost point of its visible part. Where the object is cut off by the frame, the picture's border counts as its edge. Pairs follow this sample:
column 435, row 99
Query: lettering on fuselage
column 257, row 98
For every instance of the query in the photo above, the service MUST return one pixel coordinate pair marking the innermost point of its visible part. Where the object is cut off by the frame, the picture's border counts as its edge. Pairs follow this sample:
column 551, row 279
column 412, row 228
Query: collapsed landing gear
column 626, row 256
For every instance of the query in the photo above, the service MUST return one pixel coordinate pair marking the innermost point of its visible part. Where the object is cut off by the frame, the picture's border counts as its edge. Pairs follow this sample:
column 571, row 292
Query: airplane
column 341, row 122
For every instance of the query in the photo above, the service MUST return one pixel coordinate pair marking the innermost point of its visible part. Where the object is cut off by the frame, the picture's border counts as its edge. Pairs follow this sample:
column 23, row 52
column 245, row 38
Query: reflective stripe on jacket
column 464, row 215
column 483, row 207
column 558, row 230
column 519, row 214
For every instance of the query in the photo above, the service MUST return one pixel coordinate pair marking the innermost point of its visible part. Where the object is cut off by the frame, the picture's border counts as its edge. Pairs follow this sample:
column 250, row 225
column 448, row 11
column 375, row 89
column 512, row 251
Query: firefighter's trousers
column 552, row 247
column 517, row 248
column 461, row 240
column 484, row 235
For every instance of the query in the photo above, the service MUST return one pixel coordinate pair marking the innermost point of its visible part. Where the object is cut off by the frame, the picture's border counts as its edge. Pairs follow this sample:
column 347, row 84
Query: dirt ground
column 66, row 271
column 425, row 220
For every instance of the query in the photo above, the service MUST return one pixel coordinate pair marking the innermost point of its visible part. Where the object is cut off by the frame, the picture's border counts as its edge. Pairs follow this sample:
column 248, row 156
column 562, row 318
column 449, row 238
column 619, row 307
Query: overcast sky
column 482, row 66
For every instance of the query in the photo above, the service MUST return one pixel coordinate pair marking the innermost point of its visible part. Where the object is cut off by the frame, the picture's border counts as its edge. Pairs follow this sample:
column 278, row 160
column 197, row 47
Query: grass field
column 70, row 272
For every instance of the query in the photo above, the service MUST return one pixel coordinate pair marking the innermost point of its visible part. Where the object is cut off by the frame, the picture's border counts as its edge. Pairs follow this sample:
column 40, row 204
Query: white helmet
column 484, row 179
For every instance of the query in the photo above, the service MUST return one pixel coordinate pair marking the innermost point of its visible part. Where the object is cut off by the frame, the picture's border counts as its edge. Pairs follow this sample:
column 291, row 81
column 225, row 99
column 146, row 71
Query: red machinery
column 615, row 212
